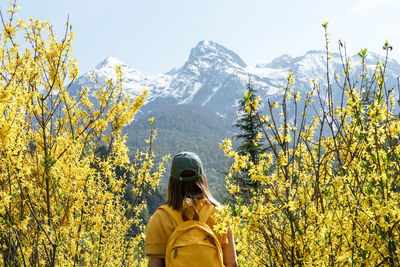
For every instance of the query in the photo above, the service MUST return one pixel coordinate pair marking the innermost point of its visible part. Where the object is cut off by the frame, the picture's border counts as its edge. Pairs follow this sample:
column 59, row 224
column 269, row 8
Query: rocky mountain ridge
column 215, row 77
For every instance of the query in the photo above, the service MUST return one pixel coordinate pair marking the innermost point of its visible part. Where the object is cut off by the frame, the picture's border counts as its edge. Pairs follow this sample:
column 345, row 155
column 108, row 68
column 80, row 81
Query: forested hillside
column 185, row 128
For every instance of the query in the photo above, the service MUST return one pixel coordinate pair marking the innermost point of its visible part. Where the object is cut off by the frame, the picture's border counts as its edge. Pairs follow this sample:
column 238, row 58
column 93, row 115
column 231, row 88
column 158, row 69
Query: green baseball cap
column 186, row 161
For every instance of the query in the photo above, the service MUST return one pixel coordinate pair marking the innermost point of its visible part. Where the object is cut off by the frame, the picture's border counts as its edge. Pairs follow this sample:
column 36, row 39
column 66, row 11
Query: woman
column 187, row 194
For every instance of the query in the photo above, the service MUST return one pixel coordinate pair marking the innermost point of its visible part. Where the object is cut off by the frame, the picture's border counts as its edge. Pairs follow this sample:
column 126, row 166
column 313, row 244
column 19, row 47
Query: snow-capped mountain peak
column 281, row 62
column 210, row 51
column 110, row 62
column 216, row 77
column 107, row 69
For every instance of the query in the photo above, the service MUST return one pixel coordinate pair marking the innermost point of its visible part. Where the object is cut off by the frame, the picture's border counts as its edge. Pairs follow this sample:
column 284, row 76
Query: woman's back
column 188, row 195
column 162, row 224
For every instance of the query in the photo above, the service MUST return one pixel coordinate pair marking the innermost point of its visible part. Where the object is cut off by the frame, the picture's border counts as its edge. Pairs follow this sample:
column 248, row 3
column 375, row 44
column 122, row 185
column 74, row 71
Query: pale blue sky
column 157, row 35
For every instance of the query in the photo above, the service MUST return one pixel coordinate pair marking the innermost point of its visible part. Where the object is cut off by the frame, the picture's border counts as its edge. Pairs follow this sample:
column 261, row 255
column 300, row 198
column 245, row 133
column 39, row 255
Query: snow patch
column 214, row 90
column 192, row 93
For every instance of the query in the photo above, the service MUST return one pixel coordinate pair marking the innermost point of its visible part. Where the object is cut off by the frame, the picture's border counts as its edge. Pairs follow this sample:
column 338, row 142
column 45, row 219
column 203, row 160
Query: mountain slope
column 215, row 77
column 185, row 128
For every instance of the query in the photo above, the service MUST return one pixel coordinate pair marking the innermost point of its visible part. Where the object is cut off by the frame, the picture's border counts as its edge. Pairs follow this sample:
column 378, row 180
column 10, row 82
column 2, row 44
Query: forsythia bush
column 61, row 202
column 330, row 184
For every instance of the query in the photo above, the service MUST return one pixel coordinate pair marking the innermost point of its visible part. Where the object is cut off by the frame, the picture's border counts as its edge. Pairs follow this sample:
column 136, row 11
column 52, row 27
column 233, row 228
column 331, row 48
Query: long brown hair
column 178, row 191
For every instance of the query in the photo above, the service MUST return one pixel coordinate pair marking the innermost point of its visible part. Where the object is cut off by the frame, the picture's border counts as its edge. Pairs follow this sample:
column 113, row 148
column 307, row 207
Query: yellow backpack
column 193, row 243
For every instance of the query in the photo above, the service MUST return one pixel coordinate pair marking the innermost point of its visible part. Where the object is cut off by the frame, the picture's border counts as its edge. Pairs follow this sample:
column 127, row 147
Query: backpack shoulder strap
column 205, row 212
column 176, row 215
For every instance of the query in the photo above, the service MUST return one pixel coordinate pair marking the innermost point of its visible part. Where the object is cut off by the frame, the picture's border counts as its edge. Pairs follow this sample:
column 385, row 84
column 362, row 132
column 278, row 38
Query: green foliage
column 151, row 120
column 363, row 53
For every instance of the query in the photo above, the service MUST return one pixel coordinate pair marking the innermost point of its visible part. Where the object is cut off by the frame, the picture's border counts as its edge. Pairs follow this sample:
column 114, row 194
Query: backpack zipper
column 208, row 237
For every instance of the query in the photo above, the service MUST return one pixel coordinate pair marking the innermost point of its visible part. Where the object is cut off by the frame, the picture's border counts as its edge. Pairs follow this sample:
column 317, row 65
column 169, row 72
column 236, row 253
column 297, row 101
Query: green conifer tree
column 249, row 126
